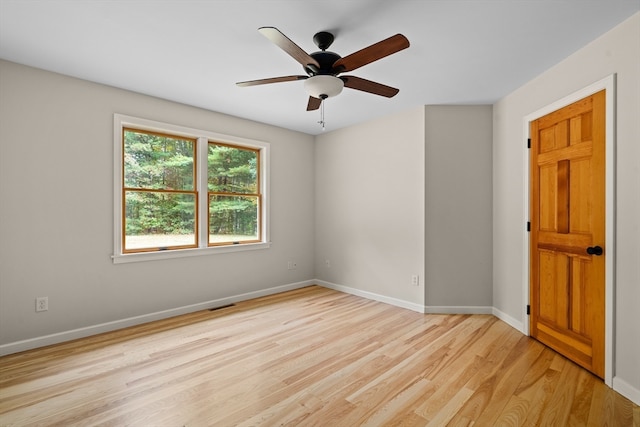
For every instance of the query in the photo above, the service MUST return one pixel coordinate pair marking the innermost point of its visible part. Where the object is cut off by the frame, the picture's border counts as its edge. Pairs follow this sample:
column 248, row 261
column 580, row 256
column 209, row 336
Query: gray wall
column 617, row 51
column 458, row 206
column 370, row 181
column 56, row 187
column 370, row 207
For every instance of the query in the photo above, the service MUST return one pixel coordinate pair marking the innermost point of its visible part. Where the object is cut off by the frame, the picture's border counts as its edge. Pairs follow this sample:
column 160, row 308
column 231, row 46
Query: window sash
column 258, row 165
column 234, row 238
column 194, row 154
column 131, row 248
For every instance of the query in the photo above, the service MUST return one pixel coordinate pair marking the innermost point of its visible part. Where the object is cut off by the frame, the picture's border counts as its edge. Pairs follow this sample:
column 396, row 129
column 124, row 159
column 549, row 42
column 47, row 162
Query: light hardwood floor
column 310, row 357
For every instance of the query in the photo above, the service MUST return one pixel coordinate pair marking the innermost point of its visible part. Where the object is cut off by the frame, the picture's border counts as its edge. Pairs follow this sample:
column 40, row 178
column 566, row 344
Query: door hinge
column 529, row 143
column 529, row 226
column 528, row 310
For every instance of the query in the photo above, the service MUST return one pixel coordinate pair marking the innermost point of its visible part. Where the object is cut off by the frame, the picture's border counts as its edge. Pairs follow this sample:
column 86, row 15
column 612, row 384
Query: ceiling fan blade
column 372, row 53
column 365, row 85
column 284, row 43
column 271, row 80
column 314, row 103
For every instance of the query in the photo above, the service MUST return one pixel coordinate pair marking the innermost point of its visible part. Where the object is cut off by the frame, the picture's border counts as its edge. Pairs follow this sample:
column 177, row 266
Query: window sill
column 184, row 253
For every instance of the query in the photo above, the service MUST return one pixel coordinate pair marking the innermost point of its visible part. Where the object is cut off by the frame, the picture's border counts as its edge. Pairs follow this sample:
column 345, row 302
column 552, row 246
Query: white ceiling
column 193, row 51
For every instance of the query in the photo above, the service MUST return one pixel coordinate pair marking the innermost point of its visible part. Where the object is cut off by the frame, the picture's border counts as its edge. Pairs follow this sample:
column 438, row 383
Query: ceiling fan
column 323, row 67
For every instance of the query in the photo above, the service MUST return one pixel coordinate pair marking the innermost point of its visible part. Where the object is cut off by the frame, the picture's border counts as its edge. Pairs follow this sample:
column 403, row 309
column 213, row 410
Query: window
column 160, row 197
column 234, row 198
column 181, row 191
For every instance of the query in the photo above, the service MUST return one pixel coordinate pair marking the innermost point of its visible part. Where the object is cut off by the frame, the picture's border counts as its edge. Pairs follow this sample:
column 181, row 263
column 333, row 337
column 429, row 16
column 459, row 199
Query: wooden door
column 568, row 231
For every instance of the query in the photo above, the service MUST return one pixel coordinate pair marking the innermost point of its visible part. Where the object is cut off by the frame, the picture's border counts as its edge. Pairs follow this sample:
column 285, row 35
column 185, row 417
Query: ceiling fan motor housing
column 326, row 60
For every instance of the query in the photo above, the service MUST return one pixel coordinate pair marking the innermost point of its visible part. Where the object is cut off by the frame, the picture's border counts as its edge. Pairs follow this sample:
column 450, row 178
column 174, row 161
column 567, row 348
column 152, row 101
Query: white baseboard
column 407, row 304
column 60, row 337
column 457, row 309
column 627, row 390
column 372, row 296
column 511, row 321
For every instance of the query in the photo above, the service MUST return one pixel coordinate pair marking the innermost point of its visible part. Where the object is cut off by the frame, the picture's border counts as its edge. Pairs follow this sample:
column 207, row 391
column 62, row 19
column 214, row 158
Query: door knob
column 594, row 250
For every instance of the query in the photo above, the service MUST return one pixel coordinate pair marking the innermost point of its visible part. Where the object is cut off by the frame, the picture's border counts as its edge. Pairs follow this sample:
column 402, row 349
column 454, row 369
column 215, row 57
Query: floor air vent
column 221, row 307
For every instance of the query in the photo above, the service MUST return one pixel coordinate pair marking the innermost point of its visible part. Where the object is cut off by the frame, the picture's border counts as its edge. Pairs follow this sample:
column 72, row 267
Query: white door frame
column 608, row 84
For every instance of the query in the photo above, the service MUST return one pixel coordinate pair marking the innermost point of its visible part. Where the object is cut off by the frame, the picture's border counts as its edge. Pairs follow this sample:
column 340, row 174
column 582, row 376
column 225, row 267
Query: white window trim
column 120, row 121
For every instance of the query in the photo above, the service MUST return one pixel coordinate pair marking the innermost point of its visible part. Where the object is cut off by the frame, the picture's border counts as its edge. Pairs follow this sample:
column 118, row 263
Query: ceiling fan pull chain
column 322, row 114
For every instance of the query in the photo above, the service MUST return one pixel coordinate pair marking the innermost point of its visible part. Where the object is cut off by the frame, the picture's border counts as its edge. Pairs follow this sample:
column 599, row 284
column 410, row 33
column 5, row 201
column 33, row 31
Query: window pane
column 232, row 170
column 233, row 219
column 157, row 162
column 159, row 220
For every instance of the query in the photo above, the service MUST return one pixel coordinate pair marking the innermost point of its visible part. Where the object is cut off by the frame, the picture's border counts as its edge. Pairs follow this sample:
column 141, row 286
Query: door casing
column 608, row 84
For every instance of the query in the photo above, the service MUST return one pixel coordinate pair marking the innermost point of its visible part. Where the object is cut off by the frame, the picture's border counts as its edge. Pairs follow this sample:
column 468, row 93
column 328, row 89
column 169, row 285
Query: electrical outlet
column 415, row 280
column 292, row 265
column 327, row 263
column 42, row 303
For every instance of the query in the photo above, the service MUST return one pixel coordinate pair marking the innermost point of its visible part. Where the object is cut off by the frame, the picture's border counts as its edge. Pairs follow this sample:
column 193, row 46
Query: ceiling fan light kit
column 323, row 86
column 323, row 67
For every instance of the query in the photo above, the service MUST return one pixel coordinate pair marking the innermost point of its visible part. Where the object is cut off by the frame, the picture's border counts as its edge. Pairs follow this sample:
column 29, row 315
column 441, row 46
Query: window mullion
column 203, row 197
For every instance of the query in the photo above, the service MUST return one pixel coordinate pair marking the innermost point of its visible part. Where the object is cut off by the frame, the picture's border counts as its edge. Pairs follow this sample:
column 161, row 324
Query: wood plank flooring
column 310, row 357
